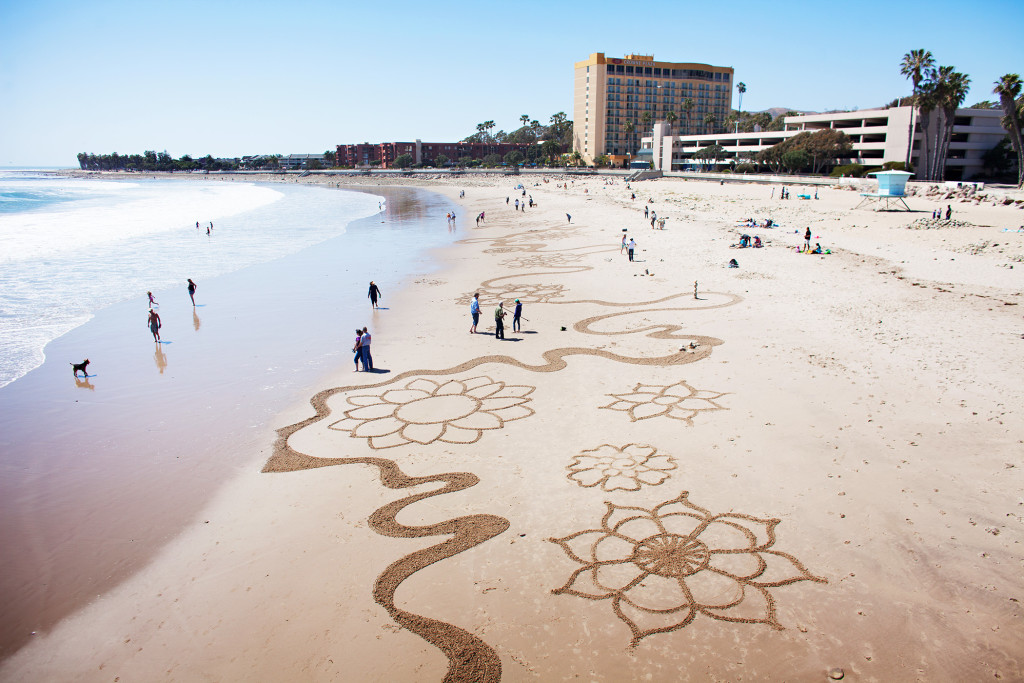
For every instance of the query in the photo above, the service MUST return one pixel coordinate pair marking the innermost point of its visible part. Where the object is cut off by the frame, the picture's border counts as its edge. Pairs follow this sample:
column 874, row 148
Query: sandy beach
column 675, row 470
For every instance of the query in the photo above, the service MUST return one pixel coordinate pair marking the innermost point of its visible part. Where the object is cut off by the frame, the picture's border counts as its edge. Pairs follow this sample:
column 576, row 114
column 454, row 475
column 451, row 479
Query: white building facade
column 878, row 135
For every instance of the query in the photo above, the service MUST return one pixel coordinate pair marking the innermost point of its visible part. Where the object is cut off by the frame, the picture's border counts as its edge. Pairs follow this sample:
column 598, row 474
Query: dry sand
column 814, row 464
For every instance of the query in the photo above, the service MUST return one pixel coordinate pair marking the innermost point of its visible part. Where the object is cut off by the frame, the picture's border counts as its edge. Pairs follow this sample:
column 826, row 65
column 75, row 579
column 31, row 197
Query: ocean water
column 70, row 247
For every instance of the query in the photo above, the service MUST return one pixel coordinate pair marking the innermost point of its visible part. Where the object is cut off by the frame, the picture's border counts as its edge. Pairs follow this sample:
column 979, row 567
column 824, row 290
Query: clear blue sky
column 231, row 78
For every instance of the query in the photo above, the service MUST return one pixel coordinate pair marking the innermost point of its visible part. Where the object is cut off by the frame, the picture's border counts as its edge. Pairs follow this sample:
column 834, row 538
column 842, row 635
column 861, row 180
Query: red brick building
column 385, row 153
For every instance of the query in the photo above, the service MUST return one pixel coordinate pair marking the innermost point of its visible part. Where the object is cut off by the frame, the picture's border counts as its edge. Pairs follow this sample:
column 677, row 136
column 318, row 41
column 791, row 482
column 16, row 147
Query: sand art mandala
column 662, row 567
column 678, row 401
column 625, row 468
column 425, row 411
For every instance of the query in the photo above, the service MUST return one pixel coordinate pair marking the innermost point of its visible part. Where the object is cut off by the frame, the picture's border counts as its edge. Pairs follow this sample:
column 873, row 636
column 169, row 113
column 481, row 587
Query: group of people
column 499, row 316
column 361, row 349
column 754, row 223
column 937, row 213
column 745, row 242
column 153, row 321
column 628, row 246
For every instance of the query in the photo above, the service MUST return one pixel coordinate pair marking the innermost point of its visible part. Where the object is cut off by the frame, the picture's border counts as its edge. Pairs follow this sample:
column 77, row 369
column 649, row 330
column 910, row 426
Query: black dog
column 75, row 367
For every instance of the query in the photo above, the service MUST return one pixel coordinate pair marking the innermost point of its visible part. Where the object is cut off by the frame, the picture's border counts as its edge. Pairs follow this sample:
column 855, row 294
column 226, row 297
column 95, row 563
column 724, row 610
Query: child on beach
column 192, row 291
column 152, row 301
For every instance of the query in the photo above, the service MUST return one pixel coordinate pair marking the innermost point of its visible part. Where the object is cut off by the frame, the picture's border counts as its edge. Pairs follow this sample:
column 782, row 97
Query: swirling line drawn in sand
column 553, row 260
column 425, row 411
column 624, row 468
column 678, row 401
column 662, row 567
column 469, row 657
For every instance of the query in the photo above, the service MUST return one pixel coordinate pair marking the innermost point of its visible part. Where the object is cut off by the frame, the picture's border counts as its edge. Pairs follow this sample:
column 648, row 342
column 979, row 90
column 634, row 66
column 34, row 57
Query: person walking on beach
column 152, row 301
column 568, row 217
column 373, row 294
column 499, row 321
column 154, row 324
column 807, row 240
column 517, row 204
column 630, row 247
column 949, row 212
column 192, row 291
column 474, row 311
column 355, row 349
column 364, row 350
column 516, row 315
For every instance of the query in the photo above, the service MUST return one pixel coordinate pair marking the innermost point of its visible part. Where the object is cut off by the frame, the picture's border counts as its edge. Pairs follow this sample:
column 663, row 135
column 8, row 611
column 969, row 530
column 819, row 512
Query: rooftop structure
column 610, row 95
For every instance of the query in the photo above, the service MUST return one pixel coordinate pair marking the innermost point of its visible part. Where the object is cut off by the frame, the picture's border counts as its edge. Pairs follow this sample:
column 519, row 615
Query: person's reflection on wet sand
column 84, row 383
column 160, row 358
column 196, row 322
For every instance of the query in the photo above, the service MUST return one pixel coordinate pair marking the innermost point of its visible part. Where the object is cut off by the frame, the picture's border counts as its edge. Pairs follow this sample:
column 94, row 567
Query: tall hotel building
column 608, row 92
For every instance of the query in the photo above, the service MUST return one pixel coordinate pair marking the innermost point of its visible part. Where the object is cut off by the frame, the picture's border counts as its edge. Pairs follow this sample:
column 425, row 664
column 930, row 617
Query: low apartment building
column 878, row 135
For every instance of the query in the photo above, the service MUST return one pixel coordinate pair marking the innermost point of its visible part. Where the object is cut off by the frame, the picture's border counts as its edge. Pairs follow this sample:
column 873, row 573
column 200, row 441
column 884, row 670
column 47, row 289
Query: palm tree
column 671, row 117
column 914, row 66
column 525, row 118
column 645, row 120
column 709, row 121
column 953, row 91
column 687, row 107
column 628, row 129
column 742, row 88
column 1008, row 88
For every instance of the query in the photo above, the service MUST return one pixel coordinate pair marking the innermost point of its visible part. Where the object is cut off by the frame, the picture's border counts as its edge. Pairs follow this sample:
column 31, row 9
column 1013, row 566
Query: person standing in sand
column 807, row 240
column 474, row 311
column 630, row 248
column 499, row 321
column 373, row 294
column 516, row 315
column 364, row 350
column 192, row 291
column 949, row 212
column 622, row 248
column 355, row 349
column 568, row 218
column 154, row 324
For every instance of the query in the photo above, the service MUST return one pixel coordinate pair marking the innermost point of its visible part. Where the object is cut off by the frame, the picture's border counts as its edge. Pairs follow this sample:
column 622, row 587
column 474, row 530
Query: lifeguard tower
column 890, row 193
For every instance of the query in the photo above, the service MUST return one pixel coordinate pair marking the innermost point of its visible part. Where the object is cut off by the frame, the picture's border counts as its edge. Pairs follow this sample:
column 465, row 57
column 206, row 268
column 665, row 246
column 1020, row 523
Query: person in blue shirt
column 474, row 310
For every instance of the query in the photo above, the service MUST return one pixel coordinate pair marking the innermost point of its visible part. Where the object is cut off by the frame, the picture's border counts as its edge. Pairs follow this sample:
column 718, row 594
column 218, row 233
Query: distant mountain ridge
column 777, row 111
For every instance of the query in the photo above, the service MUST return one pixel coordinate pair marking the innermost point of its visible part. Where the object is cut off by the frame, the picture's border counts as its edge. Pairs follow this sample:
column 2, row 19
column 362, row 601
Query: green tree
column 551, row 149
column 914, row 66
column 779, row 122
column 688, row 107
column 741, row 87
column 514, row 158
column 329, row 158
column 1009, row 88
column 795, row 159
column 709, row 122
column 645, row 120
column 671, row 117
column 492, row 160
column 440, row 161
column 403, row 161
column 709, row 156
column 602, row 161
column 525, row 118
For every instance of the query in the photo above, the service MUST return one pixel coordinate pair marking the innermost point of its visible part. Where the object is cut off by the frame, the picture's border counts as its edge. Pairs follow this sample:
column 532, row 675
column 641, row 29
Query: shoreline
column 833, row 404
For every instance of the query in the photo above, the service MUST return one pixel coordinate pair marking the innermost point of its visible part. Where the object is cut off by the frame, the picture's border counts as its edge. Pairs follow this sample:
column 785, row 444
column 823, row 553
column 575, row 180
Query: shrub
column 852, row 170
column 746, row 168
column 897, row 166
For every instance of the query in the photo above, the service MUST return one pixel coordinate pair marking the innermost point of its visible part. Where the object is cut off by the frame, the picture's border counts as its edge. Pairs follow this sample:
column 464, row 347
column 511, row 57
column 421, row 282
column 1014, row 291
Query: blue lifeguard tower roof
column 891, row 183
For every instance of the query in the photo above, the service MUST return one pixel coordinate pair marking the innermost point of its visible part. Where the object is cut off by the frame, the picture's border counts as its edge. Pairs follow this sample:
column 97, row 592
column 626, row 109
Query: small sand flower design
column 679, row 401
column 425, row 411
column 624, row 468
column 662, row 567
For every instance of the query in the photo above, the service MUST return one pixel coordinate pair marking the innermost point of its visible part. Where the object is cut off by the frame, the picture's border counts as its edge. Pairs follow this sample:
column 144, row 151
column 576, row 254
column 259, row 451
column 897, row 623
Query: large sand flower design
column 662, row 567
column 627, row 467
column 527, row 293
column 679, row 401
column 425, row 411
